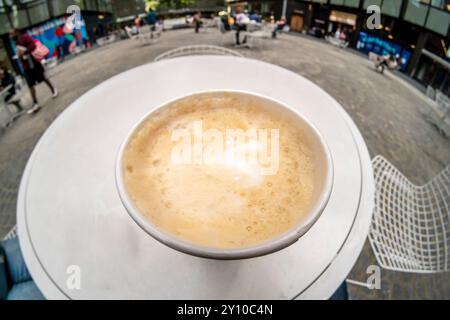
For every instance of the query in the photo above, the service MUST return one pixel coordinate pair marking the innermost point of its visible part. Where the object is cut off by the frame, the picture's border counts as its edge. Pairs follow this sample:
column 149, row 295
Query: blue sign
column 368, row 43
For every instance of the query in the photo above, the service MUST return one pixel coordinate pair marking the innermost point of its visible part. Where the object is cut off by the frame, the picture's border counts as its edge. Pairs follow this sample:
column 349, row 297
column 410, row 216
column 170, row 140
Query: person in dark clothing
column 280, row 24
column 6, row 79
column 151, row 19
column 225, row 22
column 254, row 16
column 197, row 20
column 33, row 69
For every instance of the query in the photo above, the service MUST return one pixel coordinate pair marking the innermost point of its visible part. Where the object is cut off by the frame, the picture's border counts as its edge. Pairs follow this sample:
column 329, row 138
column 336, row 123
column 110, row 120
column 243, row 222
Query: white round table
column 69, row 212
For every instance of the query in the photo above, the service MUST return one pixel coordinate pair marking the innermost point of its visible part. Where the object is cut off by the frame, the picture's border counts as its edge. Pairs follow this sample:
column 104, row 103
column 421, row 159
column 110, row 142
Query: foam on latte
column 221, row 204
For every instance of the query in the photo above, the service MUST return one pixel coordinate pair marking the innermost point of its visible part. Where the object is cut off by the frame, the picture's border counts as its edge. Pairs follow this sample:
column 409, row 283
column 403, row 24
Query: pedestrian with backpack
column 31, row 52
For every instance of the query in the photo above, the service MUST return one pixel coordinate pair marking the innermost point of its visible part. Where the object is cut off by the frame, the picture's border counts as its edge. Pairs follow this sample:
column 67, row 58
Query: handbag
column 40, row 52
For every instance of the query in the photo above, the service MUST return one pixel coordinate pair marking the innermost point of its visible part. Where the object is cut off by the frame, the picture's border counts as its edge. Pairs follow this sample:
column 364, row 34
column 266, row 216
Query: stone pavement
column 390, row 114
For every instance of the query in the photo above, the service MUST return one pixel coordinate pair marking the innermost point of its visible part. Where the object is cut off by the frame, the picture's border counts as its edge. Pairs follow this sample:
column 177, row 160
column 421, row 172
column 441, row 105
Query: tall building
column 417, row 30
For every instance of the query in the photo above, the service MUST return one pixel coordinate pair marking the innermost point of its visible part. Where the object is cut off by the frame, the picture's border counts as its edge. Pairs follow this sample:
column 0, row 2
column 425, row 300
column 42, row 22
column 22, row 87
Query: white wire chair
column 225, row 36
column 11, row 234
column 149, row 34
column 201, row 49
column 410, row 228
column 258, row 34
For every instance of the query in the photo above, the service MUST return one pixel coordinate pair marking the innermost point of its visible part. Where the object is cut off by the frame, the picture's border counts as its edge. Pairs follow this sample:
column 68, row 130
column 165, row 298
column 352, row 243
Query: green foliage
column 176, row 4
column 152, row 4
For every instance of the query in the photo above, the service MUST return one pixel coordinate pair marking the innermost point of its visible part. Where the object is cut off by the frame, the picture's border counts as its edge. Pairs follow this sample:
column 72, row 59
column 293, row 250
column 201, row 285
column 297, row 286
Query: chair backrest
column 158, row 27
column 442, row 101
column 20, row 83
column 221, row 26
column 251, row 27
column 145, row 29
column 373, row 56
column 431, row 93
column 11, row 234
column 194, row 50
column 410, row 228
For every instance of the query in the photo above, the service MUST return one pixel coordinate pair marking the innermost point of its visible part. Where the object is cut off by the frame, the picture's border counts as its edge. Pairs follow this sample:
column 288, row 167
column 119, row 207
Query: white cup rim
column 269, row 246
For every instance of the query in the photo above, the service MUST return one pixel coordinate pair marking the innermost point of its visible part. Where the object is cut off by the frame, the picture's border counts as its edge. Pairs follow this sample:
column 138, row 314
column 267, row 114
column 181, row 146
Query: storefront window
column 4, row 59
column 38, row 13
column 91, row 5
column 438, row 21
column 103, row 5
column 19, row 18
column 59, row 7
column 352, row 3
column 343, row 17
column 435, row 3
column 4, row 23
column 320, row 1
column 392, row 7
column 371, row 2
column 337, row 2
column 416, row 12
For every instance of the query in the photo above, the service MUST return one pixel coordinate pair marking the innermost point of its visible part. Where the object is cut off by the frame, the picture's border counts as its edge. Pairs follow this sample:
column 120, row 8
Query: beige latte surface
column 191, row 184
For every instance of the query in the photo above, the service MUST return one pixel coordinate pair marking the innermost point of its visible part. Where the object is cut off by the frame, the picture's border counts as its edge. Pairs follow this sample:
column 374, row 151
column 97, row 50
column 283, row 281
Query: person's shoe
column 55, row 93
column 34, row 109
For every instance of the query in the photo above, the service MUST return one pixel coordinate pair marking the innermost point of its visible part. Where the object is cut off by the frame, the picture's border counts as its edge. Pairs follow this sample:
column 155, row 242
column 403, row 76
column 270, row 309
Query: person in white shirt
column 241, row 19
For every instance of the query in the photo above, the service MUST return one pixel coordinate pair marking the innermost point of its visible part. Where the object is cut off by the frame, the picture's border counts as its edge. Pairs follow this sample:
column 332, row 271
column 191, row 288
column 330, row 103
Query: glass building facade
column 416, row 30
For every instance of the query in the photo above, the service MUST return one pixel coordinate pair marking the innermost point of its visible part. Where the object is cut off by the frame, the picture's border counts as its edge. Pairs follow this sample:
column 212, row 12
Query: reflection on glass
column 438, row 21
column 371, row 2
column 392, row 7
column 416, row 12
column 435, row 3
column 104, row 5
column 38, row 13
column 59, row 7
column 4, row 55
column 91, row 5
column 352, row 3
column 19, row 18
column 337, row 2
column 4, row 23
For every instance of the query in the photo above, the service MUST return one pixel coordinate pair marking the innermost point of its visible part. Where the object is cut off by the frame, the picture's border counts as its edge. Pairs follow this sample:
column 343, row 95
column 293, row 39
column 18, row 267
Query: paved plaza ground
column 390, row 113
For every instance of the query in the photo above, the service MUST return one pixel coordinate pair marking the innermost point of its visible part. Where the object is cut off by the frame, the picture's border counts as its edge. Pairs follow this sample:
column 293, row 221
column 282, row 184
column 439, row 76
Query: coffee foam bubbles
column 221, row 205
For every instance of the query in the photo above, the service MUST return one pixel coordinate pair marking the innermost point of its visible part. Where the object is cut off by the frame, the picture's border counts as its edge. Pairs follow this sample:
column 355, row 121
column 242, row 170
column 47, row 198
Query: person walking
column 33, row 69
column 197, row 20
column 151, row 19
